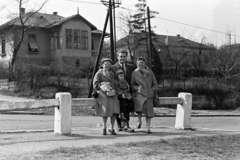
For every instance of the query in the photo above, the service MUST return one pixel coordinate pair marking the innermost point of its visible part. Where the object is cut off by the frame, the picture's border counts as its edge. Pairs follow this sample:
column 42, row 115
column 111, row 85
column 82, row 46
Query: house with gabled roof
column 170, row 49
column 50, row 37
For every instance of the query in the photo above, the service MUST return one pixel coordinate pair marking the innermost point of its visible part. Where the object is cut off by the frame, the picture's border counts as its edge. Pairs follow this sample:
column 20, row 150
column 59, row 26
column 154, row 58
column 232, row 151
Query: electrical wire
column 164, row 18
column 203, row 6
column 193, row 26
column 84, row 2
column 185, row 24
column 219, row 10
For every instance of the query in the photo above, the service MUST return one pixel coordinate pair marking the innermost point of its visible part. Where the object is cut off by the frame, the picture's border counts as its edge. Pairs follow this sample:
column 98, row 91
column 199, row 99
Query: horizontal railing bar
column 171, row 100
column 84, row 102
column 92, row 101
column 80, row 102
column 47, row 103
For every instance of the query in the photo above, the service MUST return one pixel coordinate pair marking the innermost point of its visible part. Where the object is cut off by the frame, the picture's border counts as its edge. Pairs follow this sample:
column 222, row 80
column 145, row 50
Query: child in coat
column 124, row 95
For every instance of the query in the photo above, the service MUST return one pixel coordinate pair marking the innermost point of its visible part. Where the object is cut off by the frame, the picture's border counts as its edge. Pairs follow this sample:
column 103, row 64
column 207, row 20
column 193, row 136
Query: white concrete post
column 183, row 114
column 63, row 113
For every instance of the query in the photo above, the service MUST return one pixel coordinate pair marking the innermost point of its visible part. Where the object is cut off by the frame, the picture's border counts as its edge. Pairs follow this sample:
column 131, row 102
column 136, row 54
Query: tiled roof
column 60, row 22
column 99, row 32
column 177, row 41
column 44, row 20
column 173, row 41
column 37, row 19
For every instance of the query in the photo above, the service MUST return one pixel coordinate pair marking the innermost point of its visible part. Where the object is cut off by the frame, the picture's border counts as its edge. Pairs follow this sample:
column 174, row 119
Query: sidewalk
column 35, row 132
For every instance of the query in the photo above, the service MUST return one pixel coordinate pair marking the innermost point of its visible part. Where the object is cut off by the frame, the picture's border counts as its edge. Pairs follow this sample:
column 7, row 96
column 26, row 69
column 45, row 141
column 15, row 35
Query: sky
column 211, row 21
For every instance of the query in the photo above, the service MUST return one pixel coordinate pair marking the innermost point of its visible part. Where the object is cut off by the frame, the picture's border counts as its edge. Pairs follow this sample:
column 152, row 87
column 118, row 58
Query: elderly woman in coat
column 107, row 100
column 144, row 84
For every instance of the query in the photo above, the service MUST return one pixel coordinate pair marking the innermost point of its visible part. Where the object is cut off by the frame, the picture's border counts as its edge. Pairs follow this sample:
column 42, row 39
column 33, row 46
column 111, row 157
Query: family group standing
column 123, row 90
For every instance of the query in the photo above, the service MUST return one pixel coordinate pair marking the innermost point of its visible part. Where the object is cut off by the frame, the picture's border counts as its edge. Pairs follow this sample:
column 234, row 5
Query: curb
column 156, row 115
column 25, row 131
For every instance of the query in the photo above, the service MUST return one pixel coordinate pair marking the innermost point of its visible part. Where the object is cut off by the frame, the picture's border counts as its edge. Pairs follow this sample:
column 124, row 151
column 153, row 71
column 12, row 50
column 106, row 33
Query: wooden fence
column 64, row 101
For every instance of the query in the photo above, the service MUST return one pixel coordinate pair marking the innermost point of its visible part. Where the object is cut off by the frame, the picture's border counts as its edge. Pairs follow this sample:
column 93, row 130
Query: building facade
column 50, row 38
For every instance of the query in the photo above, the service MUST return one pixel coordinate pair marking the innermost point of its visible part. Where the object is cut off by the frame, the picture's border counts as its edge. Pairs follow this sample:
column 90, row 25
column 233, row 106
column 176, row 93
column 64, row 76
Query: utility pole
column 111, row 30
column 150, row 37
column 114, row 28
column 111, row 4
column 98, row 54
column 146, row 35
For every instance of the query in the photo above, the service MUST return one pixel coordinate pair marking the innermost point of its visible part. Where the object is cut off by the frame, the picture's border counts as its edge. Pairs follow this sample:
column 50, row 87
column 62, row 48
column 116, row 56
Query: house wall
column 96, row 39
column 70, row 56
column 43, row 42
column 46, row 54
column 73, row 24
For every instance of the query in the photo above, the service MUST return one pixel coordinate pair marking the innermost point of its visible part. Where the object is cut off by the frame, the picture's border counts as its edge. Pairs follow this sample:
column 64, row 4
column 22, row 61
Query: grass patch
column 203, row 147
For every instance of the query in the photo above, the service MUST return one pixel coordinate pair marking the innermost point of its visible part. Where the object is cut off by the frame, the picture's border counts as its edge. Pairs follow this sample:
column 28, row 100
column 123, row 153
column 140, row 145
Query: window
column 3, row 48
column 76, row 34
column 68, row 38
column 32, row 43
column 57, row 40
column 85, row 40
column 92, row 44
column 77, row 63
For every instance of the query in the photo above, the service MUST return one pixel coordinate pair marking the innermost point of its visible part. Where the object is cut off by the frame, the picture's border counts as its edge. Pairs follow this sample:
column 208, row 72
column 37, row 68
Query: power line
column 202, row 11
column 84, row 2
column 193, row 26
column 184, row 23
column 171, row 8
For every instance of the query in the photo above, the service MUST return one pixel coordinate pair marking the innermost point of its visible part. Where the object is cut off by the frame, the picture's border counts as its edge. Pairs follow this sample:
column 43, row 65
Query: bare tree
column 20, row 31
column 126, row 30
column 226, row 61
column 133, row 26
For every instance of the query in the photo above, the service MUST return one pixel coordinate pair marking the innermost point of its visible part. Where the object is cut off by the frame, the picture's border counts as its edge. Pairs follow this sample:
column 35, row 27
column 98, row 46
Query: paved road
column 41, row 122
column 86, row 131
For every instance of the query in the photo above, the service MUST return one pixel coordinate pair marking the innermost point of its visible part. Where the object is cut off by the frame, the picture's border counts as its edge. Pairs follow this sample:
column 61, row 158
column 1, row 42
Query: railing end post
column 183, row 113
column 63, row 113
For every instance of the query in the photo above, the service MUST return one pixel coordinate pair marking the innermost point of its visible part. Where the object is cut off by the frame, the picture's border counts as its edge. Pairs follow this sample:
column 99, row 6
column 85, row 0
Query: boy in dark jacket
column 124, row 95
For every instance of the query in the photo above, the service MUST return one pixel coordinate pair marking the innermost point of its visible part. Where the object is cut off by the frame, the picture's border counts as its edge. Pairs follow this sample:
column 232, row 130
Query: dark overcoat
column 129, row 69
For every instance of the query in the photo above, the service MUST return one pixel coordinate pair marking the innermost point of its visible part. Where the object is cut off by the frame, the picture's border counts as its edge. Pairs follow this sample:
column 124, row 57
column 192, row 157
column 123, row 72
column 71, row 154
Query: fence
column 5, row 84
column 64, row 101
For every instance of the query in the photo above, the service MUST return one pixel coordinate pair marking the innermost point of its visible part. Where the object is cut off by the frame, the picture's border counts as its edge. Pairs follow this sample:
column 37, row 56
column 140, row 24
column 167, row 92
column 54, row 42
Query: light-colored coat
column 107, row 106
column 142, row 87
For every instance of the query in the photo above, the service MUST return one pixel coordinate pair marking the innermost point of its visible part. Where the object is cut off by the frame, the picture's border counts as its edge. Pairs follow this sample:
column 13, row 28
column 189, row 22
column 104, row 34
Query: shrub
column 3, row 71
column 216, row 94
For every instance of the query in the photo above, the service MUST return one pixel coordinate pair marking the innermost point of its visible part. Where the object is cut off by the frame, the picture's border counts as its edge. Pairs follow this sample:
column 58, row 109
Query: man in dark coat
column 128, row 69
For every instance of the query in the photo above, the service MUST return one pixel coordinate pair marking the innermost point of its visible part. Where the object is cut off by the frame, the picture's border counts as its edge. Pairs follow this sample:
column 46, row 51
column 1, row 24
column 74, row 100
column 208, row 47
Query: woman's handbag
column 156, row 100
column 95, row 94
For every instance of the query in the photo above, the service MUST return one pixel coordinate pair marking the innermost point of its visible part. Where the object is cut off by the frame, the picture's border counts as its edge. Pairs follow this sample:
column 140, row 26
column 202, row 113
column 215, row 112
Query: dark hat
column 141, row 58
column 107, row 59
column 119, row 72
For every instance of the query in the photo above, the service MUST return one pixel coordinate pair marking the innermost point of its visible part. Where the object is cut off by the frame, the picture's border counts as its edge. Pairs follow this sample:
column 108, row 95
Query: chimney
column 178, row 35
column 54, row 13
column 22, row 11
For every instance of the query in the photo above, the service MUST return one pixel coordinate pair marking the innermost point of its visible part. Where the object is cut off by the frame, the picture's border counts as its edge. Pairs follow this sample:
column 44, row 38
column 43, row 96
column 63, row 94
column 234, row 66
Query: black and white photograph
column 120, row 79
